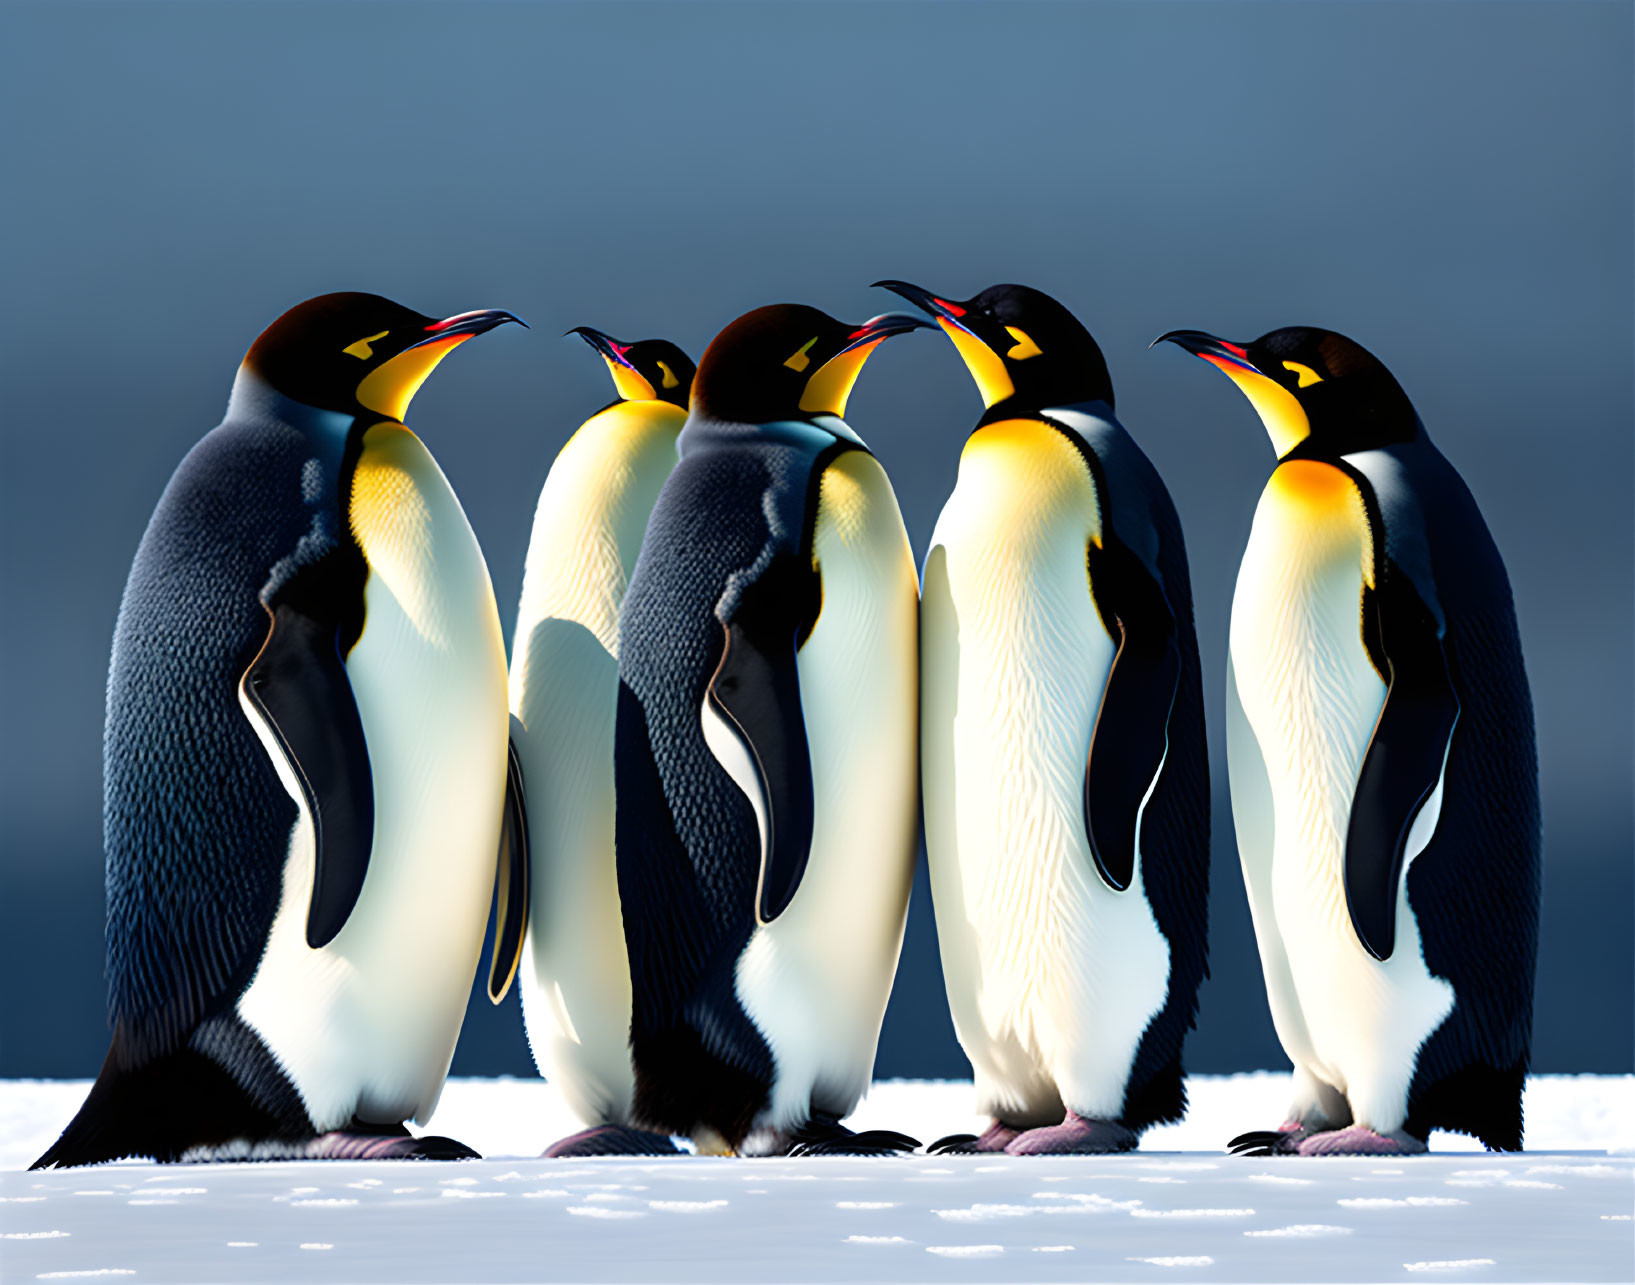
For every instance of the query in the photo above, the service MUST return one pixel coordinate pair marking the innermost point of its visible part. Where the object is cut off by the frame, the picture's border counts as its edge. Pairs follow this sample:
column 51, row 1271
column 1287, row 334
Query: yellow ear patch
column 1306, row 374
column 361, row 350
column 670, row 380
column 1025, row 347
column 800, row 361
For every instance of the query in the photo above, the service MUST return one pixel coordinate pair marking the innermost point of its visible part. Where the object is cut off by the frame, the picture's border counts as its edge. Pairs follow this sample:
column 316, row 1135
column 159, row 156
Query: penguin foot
column 873, row 1142
column 824, row 1135
column 996, row 1137
column 350, row 1145
column 610, row 1140
column 1282, row 1141
column 1075, row 1136
column 1358, row 1140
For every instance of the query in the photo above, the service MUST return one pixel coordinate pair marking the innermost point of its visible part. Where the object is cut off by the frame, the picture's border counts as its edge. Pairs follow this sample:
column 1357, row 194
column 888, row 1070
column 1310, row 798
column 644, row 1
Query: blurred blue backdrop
column 1449, row 184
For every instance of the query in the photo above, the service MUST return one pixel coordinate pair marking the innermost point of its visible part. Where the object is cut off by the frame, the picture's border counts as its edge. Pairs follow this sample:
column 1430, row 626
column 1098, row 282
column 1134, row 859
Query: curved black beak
column 602, row 342
column 1202, row 344
column 468, row 323
column 923, row 299
column 883, row 327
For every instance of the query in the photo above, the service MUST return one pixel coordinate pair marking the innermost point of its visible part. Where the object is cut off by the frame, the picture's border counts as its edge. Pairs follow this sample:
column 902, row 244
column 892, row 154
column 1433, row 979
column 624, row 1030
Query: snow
column 1178, row 1209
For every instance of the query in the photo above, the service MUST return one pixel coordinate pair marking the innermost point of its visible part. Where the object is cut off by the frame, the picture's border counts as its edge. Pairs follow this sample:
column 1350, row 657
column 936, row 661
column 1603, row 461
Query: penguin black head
column 788, row 361
column 357, row 353
column 1317, row 392
column 1023, row 348
column 651, row 370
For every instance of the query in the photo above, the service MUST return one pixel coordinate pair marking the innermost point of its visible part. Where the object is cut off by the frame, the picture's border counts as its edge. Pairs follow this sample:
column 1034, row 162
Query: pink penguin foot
column 1358, row 1140
column 996, row 1137
column 347, row 1145
column 610, row 1140
column 1075, row 1136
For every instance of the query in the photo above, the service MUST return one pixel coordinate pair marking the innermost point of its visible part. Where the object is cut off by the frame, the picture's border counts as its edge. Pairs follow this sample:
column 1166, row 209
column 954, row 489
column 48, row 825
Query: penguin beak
column 1280, row 410
column 464, row 325
column 884, row 326
column 938, row 308
column 633, row 386
column 604, row 343
column 987, row 367
column 1219, row 352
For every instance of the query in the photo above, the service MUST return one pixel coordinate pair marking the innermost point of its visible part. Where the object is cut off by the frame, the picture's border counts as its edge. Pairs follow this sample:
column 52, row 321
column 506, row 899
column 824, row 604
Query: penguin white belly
column 816, row 979
column 1052, row 976
column 368, row 1023
column 588, row 529
column 1311, row 697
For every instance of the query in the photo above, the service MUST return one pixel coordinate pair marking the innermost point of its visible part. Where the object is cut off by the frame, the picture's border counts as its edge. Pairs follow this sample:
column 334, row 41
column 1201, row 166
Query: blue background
column 1450, row 184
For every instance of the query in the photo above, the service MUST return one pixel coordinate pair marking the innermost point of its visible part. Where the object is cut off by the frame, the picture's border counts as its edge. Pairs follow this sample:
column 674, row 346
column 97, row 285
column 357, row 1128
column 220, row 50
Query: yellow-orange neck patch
column 828, row 390
column 987, row 367
column 1279, row 409
column 632, row 386
column 390, row 387
column 1327, row 504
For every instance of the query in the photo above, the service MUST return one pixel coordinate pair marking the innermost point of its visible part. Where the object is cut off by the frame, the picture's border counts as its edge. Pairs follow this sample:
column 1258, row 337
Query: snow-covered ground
column 1178, row 1209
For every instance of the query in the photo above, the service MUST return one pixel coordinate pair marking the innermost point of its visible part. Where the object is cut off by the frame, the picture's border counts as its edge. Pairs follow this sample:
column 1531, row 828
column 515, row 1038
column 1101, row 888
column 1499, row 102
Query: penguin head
column 788, row 361
column 1315, row 390
column 648, row 371
column 1024, row 349
column 358, row 353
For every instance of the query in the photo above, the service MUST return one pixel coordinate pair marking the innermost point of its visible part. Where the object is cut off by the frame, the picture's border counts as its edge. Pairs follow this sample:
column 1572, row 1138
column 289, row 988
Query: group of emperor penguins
column 694, row 798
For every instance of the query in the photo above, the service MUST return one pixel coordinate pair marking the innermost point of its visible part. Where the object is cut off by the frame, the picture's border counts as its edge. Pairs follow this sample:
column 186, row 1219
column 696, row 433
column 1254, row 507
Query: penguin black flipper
column 1131, row 735
column 511, row 877
column 299, row 685
column 1403, row 627
column 1125, row 565
column 1405, row 756
column 756, row 688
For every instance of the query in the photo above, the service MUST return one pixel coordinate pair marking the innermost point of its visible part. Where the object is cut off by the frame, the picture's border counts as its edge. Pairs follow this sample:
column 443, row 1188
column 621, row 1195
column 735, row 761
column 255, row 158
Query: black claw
column 875, row 1142
column 439, row 1148
column 1261, row 1142
column 954, row 1144
column 891, row 1138
column 824, row 1135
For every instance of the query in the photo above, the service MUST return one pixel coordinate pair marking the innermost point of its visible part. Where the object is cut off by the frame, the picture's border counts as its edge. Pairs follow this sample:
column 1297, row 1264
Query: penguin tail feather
column 1482, row 1101
column 160, row 1108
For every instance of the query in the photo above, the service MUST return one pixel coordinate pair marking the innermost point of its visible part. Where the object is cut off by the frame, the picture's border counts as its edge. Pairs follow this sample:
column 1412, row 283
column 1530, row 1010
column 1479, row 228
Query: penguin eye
column 1305, row 374
column 1025, row 347
column 670, row 380
column 361, row 350
column 799, row 361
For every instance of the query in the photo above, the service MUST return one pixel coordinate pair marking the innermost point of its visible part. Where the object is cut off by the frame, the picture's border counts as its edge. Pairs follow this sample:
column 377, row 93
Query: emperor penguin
column 575, row 981
column 307, row 786
column 1064, row 770
column 765, row 750
column 1381, row 755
